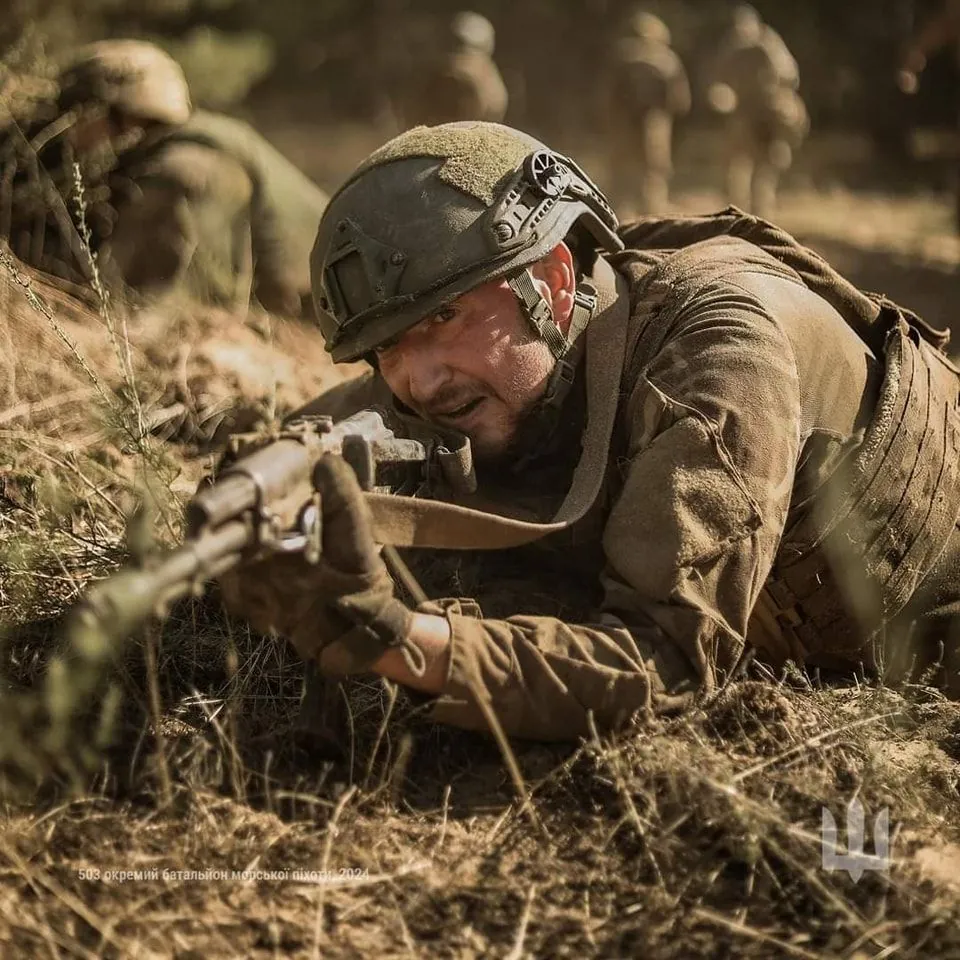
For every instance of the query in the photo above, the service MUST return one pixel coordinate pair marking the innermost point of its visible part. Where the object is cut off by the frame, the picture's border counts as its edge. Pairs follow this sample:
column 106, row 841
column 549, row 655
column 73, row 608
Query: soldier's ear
column 558, row 271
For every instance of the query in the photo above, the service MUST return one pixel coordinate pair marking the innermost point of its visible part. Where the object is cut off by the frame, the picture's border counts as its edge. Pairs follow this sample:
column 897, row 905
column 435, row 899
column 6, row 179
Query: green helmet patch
column 434, row 213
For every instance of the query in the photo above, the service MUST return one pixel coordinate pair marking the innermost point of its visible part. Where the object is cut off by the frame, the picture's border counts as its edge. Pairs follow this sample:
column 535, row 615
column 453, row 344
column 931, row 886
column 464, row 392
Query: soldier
column 462, row 82
column 648, row 89
column 174, row 199
column 734, row 450
column 936, row 33
column 753, row 83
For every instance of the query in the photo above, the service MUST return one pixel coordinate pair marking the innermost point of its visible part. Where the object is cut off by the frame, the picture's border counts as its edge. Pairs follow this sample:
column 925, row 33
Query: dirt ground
column 215, row 828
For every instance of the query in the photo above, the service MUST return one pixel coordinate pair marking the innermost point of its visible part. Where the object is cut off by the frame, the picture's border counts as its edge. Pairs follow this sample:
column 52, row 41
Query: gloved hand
column 346, row 599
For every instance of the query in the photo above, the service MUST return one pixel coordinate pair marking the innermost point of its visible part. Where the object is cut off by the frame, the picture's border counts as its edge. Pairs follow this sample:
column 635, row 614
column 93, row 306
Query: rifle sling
column 412, row 522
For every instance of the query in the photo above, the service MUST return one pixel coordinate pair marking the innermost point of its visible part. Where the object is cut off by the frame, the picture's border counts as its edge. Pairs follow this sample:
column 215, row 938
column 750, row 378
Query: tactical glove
column 347, row 598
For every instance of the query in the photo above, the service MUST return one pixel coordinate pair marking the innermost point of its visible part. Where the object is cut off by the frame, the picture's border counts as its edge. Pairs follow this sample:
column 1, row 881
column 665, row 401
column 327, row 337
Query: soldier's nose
column 426, row 378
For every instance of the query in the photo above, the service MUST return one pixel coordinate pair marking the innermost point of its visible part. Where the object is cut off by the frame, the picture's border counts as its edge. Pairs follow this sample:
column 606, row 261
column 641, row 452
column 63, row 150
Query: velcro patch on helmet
column 477, row 155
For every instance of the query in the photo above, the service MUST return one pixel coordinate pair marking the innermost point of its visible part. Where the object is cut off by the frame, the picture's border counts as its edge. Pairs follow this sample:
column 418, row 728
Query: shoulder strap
column 412, row 522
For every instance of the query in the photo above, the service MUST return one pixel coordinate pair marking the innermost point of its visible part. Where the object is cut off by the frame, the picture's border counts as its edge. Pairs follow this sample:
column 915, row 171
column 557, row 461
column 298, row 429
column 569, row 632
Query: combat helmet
column 648, row 26
column 132, row 76
column 474, row 31
column 439, row 210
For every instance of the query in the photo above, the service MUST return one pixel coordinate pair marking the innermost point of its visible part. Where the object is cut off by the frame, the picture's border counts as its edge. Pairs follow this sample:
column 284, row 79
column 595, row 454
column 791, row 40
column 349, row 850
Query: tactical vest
column 880, row 530
column 885, row 521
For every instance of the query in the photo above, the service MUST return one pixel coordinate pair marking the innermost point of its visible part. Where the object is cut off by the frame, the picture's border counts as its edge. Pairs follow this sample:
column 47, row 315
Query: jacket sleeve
column 714, row 434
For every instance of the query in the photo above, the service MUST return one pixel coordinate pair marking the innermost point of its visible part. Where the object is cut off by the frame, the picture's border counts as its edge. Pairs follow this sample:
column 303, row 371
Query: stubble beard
column 525, row 435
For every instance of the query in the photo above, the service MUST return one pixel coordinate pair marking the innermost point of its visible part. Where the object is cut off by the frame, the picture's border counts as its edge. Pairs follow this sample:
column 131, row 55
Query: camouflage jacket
column 749, row 411
column 210, row 209
column 215, row 209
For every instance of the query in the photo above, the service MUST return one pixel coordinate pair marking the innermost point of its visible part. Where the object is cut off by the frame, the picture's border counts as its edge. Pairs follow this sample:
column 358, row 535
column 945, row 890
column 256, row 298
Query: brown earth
column 215, row 828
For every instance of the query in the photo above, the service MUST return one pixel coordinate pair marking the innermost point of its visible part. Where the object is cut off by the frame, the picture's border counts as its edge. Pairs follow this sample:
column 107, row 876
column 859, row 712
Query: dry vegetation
column 691, row 837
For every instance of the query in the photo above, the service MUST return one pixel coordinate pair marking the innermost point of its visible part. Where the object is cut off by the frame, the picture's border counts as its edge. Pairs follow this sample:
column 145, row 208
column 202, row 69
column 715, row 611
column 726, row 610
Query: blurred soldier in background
column 173, row 199
column 462, row 83
column 648, row 88
column 934, row 34
column 754, row 82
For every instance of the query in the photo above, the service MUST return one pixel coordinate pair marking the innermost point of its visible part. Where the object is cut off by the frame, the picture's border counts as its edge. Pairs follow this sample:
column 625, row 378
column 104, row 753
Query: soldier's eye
column 386, row 346
column 444, row 315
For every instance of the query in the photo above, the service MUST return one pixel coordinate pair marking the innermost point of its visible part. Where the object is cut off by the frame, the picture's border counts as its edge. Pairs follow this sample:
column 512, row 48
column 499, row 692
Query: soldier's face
column 477, row 365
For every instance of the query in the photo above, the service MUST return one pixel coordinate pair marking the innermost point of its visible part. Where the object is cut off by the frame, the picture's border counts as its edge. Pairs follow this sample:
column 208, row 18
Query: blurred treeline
column 335, row 59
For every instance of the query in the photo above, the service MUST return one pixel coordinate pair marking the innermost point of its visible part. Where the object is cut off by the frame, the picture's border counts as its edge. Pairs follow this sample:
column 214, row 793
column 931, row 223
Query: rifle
column 264, row 501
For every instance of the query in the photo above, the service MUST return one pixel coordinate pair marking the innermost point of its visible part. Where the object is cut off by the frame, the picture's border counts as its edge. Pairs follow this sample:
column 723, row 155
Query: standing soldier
column 462, row 83
column 648, row 89
column 173, row 199
column 934, row 35
column 754, row 84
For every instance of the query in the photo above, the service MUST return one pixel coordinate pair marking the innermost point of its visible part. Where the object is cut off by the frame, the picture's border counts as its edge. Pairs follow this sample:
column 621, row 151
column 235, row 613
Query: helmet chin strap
column 567, row 350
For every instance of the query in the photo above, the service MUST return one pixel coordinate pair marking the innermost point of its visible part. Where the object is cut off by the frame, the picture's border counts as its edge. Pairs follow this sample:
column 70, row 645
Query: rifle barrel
column 117, row 606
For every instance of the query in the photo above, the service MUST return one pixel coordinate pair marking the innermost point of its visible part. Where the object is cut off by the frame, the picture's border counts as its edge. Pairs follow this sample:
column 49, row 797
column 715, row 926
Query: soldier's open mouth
column 463, row 411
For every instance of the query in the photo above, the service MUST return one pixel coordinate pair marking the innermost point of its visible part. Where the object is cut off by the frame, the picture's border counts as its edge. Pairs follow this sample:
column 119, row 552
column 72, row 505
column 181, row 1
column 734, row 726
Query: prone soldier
column 713, row 446
column 173, row 198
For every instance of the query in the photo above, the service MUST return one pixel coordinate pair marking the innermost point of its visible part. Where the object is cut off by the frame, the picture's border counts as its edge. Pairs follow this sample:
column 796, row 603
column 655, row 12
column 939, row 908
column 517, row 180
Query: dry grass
column 662, row 844
column 690, row 837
